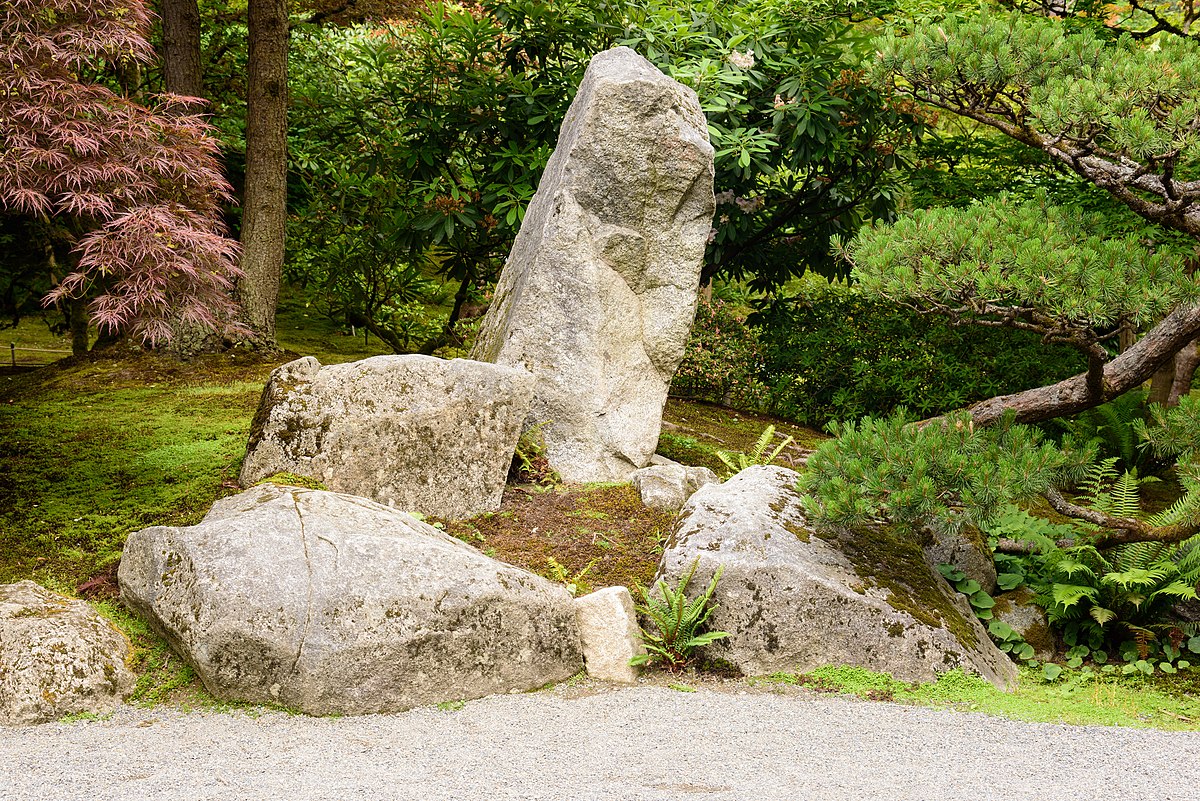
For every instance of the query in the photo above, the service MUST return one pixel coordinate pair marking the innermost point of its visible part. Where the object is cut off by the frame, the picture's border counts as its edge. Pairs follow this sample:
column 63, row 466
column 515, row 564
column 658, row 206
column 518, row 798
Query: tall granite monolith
column 599, row 291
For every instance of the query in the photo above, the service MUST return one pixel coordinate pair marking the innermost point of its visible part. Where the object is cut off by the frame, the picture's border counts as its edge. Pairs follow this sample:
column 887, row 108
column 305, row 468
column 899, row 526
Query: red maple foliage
column 139, row 188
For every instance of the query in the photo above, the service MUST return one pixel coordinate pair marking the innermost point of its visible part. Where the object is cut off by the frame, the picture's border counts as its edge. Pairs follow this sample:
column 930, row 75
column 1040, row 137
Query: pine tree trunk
column 1127, row 371
column 181, row 47
column 265, row 203
column 1186, row 362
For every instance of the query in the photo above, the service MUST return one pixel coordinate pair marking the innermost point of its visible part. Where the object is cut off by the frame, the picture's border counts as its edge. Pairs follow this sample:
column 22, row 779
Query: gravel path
column 638, row 743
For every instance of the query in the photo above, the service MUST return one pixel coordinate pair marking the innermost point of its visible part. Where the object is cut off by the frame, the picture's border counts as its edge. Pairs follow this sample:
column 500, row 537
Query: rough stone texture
column 57, row 657
column 792, row 600
column 598, row 294
column 609, row 631
column 334, row 604
column 414, row 432
column 1017, row 609
column 968, row 551
column 668, row 486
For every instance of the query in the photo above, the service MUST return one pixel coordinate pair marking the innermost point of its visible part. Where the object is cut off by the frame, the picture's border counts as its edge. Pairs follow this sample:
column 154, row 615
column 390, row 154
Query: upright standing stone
column 599, row 292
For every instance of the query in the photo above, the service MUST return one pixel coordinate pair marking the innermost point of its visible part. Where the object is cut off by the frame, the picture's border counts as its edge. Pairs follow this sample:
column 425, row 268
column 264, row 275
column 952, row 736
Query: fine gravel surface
column 637, row 743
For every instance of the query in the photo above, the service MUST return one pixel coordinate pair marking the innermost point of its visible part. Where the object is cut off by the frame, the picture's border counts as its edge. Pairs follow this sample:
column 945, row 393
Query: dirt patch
column 593, row 536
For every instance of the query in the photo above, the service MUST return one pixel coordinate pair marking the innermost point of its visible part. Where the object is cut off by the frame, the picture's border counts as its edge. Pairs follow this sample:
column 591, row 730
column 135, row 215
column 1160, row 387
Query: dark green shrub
column 723, row 360
column 832, row 354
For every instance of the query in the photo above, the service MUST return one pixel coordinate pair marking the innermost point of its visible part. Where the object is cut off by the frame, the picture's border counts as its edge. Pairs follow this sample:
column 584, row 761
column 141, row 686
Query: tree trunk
column 1120, row 375
column 1161, row 383
column 77, row 319
column 181, row 47
column 265, row 203
column 1186, row 362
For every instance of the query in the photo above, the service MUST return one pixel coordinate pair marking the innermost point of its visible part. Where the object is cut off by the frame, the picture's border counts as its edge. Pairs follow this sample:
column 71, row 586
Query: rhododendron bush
column 135, row 190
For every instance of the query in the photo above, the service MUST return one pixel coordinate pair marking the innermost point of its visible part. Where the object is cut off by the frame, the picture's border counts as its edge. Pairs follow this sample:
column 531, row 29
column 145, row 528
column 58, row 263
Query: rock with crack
column 668, row 486
column 57, row 657
column 334, row 604
column 599, row 291
column 417, row 433
column 793, row 600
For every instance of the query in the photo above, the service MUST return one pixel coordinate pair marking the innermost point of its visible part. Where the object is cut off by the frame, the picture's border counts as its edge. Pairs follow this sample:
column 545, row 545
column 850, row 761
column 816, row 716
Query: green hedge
column 832, row 354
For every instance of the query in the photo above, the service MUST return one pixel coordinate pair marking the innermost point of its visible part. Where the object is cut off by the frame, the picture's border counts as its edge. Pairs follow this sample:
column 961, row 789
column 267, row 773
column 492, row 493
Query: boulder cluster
column 343, row 600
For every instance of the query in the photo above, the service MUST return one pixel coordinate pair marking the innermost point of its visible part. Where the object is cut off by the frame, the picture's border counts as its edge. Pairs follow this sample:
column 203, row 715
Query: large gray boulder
column 793, row 601
column 57, row 657
column 599, row 291
column 414, row 432
column 334, row 604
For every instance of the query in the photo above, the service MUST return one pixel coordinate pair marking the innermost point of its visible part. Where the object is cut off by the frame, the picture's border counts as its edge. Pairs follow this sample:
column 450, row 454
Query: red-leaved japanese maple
column 137, row 190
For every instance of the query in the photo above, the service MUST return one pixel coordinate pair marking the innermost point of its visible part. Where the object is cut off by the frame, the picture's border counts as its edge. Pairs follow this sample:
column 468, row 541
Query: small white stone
column 609, row 632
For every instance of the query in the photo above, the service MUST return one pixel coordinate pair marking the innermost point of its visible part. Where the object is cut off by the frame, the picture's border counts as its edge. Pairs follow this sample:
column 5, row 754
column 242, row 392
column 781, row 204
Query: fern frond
column 1124, row 499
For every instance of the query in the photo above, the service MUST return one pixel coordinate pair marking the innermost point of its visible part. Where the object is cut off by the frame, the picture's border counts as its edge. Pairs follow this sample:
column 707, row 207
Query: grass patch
column 87, row 465
column 693, row 432
column 1102, row 699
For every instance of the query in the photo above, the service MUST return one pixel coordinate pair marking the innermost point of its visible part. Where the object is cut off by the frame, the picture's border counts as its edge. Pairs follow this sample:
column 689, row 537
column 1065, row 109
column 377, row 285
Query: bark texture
column 265, row 203
column 181, row 47
column 1120, row 375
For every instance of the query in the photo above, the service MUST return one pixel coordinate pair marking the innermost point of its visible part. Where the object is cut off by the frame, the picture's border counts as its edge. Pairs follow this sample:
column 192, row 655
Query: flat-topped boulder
column 57, row 657
column 334, row 604
column 599, row 292
column 417, row 433
column 794, row 599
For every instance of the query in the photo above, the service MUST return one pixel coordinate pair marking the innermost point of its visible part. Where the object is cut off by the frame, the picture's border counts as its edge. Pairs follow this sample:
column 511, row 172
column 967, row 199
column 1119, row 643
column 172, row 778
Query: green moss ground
column 90, row 452
column 1171, row 703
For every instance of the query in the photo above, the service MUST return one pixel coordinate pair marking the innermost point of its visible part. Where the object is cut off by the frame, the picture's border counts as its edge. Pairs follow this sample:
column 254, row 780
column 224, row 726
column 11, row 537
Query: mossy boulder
column 967, row 550
column 413, row 432
column 1017, row 609
column 794, row 599
column 57, row 657
column 333, row 604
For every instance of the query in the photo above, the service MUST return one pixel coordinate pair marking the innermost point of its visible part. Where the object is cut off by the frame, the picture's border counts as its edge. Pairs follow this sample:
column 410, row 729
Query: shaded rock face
column 334, row 604
column 414, row 432
column 793, row 601
column 598, row 295
column 1017, row 609
column 668, row 486
column 968, row 551
column 57, row 657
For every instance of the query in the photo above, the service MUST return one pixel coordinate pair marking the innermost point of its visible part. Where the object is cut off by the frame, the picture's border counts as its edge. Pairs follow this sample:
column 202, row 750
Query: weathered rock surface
column 792, row 600
column 598, row 294
column 609, row 631
column 57, row 657
column 334, row 604
column 668, row 486
column 1017, row 609
column 414, row 432
column 968, row 551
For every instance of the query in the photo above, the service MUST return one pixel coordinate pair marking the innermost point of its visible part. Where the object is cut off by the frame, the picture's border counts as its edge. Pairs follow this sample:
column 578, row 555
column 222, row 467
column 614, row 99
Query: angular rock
column 414, row 432
column 1017, row 609
column 793, row 601
column 609, row 631
column 57, row 657
column 967, row 550
column 599, row 291
column 668, row 486
column 335, row 604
